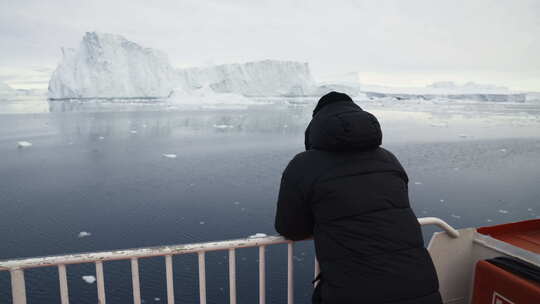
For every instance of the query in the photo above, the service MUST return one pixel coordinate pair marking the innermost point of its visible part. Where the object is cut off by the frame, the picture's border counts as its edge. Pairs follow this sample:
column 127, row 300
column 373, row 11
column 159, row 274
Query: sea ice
column 222, row 126
column 84, row 234
column 503, row 211
column 257, row 235
column 23, row 144
column 90, row 279
column 169, row 155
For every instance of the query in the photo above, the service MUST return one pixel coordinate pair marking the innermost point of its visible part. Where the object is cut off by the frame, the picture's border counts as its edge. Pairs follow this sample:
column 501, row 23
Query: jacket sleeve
column 294, row 218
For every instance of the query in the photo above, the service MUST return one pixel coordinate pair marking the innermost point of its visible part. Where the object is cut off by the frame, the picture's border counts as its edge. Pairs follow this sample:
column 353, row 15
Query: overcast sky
column 399, row 43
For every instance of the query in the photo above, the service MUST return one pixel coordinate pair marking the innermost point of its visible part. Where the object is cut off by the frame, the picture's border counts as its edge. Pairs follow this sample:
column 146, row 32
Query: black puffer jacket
column 351, row 196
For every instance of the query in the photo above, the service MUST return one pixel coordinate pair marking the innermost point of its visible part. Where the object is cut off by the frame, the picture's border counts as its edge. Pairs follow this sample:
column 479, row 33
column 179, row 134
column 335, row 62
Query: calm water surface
column 103, row 171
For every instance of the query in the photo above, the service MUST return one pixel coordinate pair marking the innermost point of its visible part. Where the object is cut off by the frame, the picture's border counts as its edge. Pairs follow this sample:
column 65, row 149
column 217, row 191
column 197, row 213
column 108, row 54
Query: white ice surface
column 167, row 155
column 24, row 144
column 83, row 234
column 257, row 235
column 90, row 279
column 107, row 65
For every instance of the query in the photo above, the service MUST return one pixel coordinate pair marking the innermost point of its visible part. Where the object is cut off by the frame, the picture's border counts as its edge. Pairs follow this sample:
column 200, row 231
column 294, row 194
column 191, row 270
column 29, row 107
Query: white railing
column 16, row 267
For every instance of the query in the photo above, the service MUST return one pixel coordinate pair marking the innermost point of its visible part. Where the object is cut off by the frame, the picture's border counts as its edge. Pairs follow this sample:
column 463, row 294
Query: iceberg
column 110, row 66
column 253, row 79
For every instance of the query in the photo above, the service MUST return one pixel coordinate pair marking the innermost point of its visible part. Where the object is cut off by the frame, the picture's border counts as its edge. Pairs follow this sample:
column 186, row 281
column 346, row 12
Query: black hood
column 339, row 124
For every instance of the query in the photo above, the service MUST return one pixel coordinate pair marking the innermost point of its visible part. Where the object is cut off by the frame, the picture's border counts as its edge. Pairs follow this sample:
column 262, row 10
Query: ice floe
column 169, row 155
column 222, row 126
column 23, row 144
column 257, row 235
column 90, row 279
column 503, row 211
column 84, row 234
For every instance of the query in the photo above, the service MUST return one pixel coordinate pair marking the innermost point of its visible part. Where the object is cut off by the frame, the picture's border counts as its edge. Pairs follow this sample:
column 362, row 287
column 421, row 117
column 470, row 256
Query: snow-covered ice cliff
column 107, row 65
column 258, row 78
column 110, row 66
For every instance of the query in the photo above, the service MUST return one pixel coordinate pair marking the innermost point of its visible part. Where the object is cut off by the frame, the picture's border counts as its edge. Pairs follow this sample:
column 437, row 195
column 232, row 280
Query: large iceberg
column 258, row 78
column 110, row 66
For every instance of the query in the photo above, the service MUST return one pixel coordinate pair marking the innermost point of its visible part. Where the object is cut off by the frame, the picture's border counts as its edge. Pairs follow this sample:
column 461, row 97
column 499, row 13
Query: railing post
column 317, row 271
column 62, row 277
column 135, row 282
column 262, row 275
column 202, row 278
column 18, row 288
column 232, row 276
column 290, row 273
column 170, row 283
column 100, row 282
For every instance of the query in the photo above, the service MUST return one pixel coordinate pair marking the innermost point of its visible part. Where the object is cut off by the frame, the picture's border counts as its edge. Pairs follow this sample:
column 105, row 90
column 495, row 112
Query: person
column 351, row 196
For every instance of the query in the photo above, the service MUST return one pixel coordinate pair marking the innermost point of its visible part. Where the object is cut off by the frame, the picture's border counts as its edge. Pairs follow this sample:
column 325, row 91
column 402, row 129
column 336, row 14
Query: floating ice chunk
column 201, row 222
column 90, row 279
column 257, row 235
column 222, row 126
column 169, row 155
column 417, row 183
column 23, row 144
column 84, row 234
column 503, row 211
column 456, row 216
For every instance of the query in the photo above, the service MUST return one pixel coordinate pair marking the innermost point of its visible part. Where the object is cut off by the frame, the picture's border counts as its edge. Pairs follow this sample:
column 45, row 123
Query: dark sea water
column 104, row 172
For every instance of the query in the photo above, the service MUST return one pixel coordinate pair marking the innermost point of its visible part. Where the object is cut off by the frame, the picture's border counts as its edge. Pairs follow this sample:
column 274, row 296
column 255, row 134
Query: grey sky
column 386, row 42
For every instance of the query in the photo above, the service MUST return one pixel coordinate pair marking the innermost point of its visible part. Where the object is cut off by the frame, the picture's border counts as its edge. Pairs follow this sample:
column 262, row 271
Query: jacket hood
column 339, row 124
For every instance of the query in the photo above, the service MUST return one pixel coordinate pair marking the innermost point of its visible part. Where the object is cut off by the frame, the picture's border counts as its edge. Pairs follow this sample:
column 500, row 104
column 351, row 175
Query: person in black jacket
column 351, row 196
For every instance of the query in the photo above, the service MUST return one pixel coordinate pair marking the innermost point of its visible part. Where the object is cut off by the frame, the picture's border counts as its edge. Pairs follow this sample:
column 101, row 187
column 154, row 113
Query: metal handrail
column 16, row 266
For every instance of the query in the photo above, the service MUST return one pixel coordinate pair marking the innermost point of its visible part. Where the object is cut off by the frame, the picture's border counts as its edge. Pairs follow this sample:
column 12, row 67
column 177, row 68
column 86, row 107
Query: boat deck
column 524, row 234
